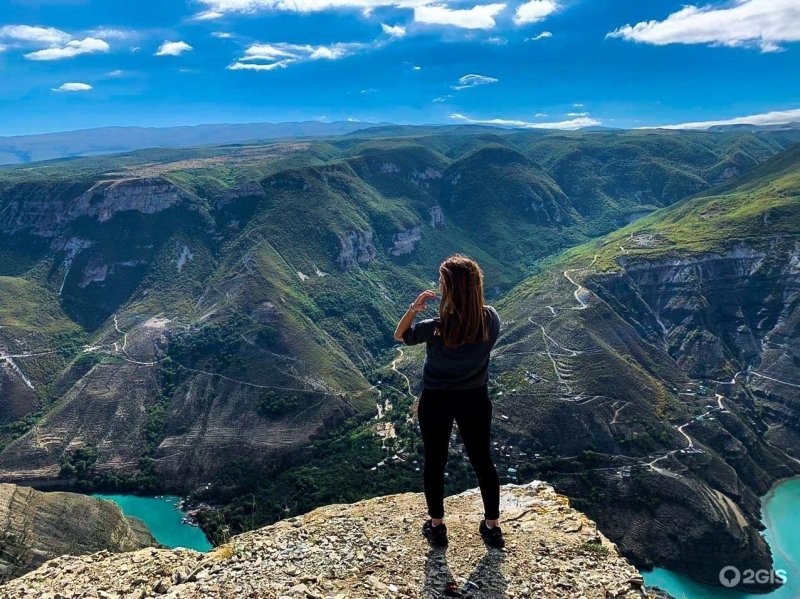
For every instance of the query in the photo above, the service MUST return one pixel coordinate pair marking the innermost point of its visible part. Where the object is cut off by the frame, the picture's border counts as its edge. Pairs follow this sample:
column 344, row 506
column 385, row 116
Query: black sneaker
column 436, row 535
column 493, row 536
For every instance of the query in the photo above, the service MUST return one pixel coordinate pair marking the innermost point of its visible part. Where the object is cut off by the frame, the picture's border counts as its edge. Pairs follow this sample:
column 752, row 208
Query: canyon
column 218, row 323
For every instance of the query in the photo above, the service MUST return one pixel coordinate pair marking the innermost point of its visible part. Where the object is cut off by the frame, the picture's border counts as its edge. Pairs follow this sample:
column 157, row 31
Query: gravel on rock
column 370, row 549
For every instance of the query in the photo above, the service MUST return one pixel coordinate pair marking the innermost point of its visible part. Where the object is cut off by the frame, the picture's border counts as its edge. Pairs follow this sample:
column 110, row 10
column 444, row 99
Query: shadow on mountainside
column 485, row 582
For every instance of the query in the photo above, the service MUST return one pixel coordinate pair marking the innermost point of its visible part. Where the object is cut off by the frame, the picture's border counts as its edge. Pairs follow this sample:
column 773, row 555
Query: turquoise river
column 163, row 518
column 779, row 508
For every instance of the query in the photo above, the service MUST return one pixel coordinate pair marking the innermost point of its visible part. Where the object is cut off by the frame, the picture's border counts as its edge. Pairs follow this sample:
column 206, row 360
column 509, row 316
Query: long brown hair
column 461, row 313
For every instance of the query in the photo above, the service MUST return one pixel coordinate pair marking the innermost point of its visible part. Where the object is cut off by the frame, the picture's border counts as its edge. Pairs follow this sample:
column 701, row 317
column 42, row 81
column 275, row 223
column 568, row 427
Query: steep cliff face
column 45, row 210
column 405, row 240
column 714, row 311
column 355, row 247
column 36, row 527
column 720, row 316
column 106, row 411
column 371, row 549
column 670, row 472
column 661, row 364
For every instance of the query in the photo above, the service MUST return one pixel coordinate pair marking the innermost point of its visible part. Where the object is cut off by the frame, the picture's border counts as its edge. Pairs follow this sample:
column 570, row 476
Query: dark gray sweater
column 462, row 367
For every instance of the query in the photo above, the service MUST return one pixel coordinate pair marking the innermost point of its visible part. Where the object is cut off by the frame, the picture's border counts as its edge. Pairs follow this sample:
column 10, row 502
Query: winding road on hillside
column 560, row 355
column 120, row 350
column 769, row 378
column 9, row 359
column 558, row 352
column 580, row 290
column 690, row 443
column 394, row 367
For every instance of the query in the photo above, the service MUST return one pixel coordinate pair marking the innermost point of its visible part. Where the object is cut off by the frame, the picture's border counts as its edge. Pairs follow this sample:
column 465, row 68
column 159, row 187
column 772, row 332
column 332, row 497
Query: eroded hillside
column 170, row 311
column 36, row 527
column 218, row 321
column 661, row 364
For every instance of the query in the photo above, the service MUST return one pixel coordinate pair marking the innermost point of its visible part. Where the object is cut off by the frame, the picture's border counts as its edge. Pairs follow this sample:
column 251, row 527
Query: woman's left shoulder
column 493, row 313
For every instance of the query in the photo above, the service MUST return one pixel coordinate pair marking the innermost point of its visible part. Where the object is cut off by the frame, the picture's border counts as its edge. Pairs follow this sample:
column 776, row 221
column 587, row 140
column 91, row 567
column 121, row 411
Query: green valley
column 217, row 321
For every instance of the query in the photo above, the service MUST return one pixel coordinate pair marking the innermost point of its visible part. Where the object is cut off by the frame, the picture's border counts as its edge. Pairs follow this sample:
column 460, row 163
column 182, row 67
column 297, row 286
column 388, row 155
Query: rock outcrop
column 372, row 549
column 36, row 526
column 356, row 247
column 437, row 217
column 404, row 241
column 45, row 211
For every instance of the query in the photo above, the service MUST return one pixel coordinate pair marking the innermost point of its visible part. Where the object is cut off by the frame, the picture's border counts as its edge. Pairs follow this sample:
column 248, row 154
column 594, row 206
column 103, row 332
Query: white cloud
column 109, row 33
column 577, row 105
column 496, row 40
column 574, row 114
column 472, row 80
column 761, row 23
column 267, row 57
column 271, row 56
column 540, row 115
column 396, row 31
column 576, row 123
column 73, row 87
column 542, row 36
column 434, row 12
column 444, row 98
column 369, row 90
column 55, row 44
column 534, row 11
column 71, row 49
column 218, row 8
column 37, row 35
column 222, row 35
column 3, row 48
column 208, row 15
column 478, row 17
column 776, row 117
column 416, row 67
column 173, row 48
column 115, row 73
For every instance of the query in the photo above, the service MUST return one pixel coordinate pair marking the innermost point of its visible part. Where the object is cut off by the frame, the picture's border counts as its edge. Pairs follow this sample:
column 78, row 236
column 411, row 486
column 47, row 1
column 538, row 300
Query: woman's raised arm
column 417, row 306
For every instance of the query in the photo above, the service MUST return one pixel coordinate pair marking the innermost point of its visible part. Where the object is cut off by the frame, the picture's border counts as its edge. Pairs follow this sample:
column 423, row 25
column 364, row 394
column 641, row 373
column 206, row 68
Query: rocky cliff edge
column 36, row 527
column 373, row 549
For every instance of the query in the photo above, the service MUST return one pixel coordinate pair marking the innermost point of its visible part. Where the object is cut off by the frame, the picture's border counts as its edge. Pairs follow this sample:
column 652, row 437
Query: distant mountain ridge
column 25, row 149
column 22, row 149
column 793, row 126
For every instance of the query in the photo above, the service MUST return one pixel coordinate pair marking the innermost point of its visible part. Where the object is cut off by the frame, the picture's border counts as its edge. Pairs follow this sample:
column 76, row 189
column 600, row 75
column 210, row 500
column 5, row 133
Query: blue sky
column 70, row 64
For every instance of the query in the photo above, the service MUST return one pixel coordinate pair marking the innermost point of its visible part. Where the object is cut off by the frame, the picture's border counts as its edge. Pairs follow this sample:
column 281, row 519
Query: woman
column 455, row 377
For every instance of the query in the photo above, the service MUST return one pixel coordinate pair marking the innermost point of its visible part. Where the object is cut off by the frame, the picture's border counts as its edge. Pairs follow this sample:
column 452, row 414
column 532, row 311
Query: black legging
column 472, row 411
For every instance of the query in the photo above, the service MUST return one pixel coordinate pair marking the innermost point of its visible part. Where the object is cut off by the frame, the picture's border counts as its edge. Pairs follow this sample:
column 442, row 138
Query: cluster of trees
column 80, row 464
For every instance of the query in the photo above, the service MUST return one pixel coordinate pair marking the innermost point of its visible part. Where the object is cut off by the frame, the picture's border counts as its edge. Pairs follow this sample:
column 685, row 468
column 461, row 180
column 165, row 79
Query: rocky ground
column 36, row 526
column 372, row 549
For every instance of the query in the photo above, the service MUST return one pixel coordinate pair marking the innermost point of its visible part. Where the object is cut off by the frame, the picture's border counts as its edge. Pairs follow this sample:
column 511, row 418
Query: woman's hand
column 408, row 317
column 419, row 303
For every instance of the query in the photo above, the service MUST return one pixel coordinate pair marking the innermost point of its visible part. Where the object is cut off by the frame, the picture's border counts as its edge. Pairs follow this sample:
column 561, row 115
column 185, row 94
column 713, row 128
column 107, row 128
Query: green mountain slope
column 670, row 349
column 222, row 317
column 621, row 375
